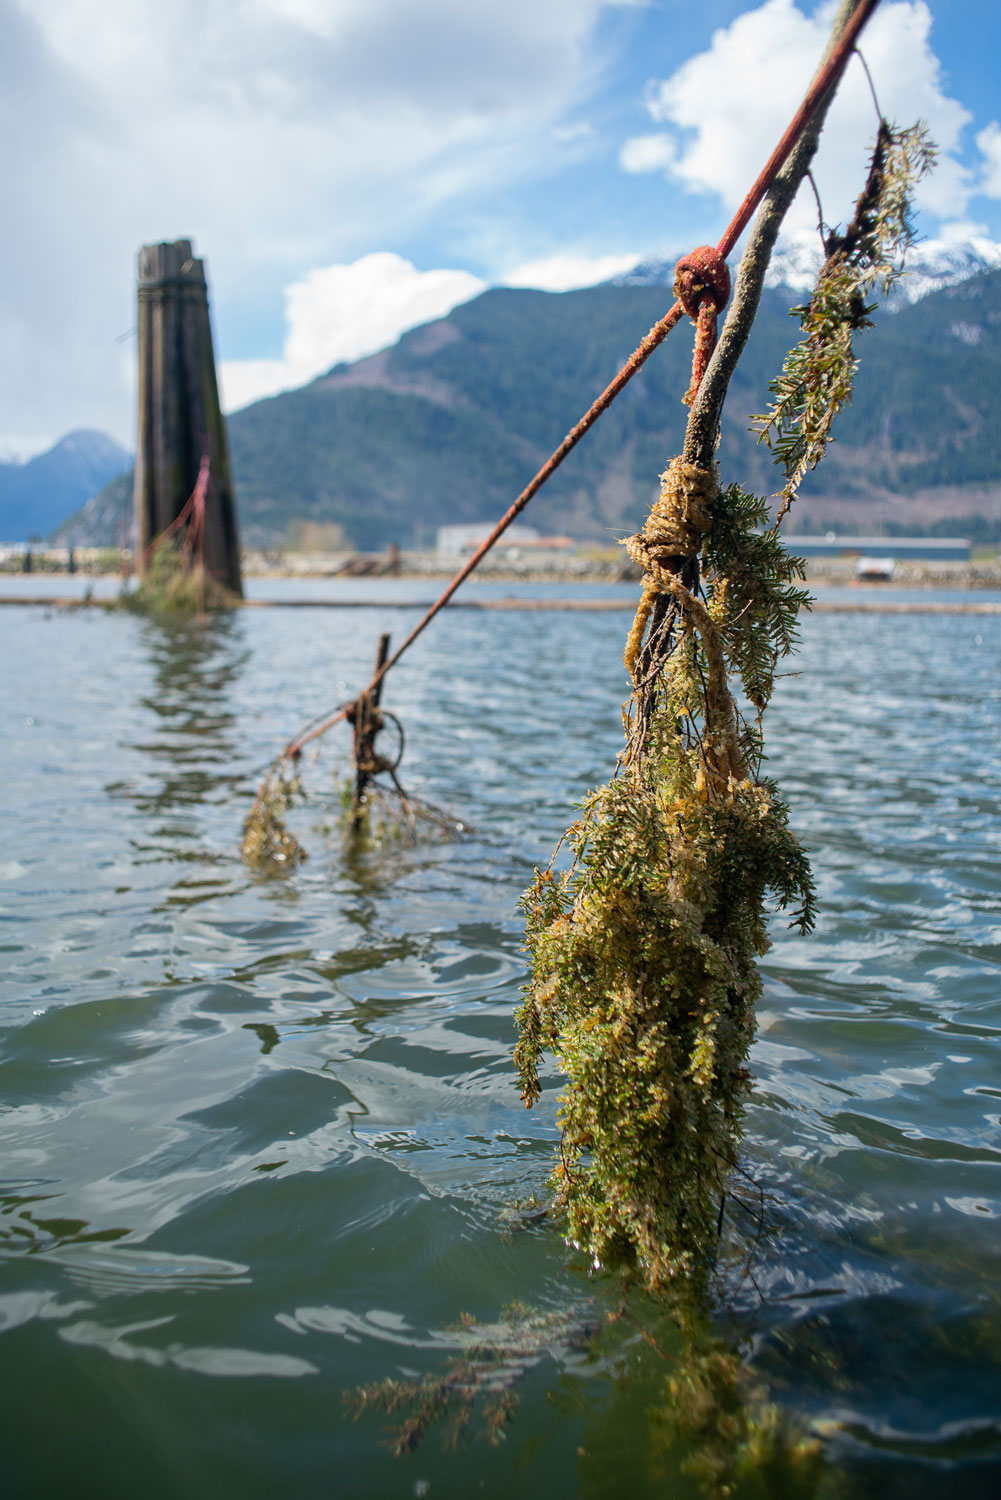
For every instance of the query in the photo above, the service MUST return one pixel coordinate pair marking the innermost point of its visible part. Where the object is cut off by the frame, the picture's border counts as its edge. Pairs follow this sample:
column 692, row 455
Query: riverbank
column 607, row 566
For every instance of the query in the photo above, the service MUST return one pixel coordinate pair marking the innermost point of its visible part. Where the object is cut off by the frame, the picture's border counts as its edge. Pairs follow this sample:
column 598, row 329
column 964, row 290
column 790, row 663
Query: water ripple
column 264, row 1130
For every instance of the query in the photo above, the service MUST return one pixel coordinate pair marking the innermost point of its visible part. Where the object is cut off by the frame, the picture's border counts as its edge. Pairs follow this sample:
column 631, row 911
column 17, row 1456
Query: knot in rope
column 702, row 286
column 702, row 273
column 679, row 519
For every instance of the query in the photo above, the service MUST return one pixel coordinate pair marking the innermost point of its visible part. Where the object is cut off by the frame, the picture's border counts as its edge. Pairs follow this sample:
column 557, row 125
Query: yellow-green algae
column 644, row 952
column 175, row 585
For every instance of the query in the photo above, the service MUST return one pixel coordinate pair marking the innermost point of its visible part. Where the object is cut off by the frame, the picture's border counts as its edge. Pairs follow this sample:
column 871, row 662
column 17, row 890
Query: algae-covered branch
column 644, row 952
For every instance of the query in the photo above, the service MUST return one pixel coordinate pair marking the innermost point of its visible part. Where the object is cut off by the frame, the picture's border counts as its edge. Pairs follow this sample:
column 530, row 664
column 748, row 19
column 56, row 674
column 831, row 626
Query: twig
column 820, row 209
column 872, row 86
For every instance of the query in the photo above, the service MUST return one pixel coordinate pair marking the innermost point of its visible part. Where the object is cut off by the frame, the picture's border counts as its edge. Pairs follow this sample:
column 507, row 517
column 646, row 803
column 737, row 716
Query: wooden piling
column 180, row 419
column 367, row 722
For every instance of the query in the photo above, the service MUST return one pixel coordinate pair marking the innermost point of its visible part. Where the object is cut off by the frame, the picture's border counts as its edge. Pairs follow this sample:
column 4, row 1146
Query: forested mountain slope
column 450, row 423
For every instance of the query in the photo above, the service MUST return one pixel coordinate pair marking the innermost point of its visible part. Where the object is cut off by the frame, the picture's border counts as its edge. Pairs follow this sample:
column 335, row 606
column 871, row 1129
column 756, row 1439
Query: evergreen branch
column 818, row 376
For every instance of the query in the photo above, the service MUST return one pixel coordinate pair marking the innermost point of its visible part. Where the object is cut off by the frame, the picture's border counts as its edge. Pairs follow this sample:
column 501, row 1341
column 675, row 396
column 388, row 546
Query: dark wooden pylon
column 367, row 721
column 180, row 420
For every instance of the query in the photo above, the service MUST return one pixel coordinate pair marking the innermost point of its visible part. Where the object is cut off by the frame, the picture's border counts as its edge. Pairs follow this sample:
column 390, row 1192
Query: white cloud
column 564, row 273
column 17, row 449
column 243, row 381
column 649, row 153
column 312, row 15
column 959, row 233
column 342, row 313
column 345, row 312
column 989, row 142
column 727, row 106
column 566, row 135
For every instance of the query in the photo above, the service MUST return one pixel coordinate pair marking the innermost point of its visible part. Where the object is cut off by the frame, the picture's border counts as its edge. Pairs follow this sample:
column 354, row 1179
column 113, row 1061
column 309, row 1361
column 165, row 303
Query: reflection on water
column 191, row 756
column 260, row 1140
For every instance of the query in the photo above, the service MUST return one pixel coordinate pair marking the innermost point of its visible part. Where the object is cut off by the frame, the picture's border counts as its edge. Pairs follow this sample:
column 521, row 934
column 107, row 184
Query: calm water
column 259, row 1140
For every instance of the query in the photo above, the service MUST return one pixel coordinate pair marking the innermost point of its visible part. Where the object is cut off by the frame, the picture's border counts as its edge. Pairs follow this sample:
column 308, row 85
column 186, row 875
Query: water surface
column 259, row 1139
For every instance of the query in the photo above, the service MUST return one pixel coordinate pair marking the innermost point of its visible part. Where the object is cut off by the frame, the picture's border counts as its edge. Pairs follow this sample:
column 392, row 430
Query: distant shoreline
column 606, row 567
column 838, row 572
column 867, row 601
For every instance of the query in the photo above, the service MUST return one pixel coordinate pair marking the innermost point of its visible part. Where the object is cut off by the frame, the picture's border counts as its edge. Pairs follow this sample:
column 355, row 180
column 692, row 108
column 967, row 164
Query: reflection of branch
column 703, row 424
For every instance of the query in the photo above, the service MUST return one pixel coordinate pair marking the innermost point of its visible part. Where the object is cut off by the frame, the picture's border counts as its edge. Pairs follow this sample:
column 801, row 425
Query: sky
column 349, row 169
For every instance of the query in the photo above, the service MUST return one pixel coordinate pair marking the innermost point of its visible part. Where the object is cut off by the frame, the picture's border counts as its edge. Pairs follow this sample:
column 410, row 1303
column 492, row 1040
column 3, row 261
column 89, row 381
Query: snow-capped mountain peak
column 796, row 260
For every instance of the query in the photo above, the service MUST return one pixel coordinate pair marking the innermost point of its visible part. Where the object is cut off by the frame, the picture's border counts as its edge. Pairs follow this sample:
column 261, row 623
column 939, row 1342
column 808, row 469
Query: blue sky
column 349, row 168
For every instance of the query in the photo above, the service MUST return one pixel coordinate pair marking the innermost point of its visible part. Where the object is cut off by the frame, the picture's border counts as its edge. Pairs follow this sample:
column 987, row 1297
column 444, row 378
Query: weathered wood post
column 367, row 721
column 180, row 419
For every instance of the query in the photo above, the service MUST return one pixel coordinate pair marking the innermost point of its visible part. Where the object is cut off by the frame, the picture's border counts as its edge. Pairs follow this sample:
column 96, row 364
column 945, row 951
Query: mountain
column 36, row 496
column 796, row 260
column 450, row 423
column 105, row 520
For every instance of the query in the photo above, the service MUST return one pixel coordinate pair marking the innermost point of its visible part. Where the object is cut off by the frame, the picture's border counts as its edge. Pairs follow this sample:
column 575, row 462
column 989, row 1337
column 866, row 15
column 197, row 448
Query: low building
column 459, row 541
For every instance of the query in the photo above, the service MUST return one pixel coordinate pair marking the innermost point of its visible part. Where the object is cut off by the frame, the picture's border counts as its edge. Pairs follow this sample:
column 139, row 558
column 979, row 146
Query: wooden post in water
column 180, row 420
column 367, row 722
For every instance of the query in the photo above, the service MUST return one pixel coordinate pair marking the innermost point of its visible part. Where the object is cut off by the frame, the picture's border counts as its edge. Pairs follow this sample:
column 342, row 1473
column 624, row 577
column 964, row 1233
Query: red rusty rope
column 192, row 512
column 702, row 286
column 825, row 80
